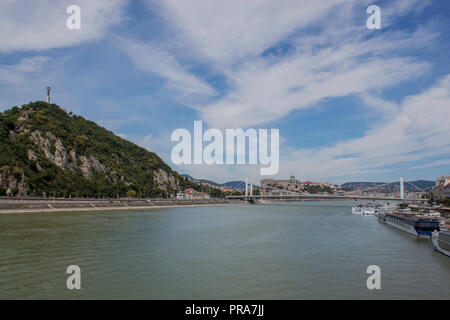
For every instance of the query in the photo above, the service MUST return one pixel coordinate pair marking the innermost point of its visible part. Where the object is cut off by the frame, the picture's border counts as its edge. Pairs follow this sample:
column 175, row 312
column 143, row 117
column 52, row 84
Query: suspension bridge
column 249, row 196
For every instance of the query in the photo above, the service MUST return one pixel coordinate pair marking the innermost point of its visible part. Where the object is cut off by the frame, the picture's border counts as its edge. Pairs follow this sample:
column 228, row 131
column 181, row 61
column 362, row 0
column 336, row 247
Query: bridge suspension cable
column 238, row 186
column 402, row 181
column 416, row 186
column 378, row 186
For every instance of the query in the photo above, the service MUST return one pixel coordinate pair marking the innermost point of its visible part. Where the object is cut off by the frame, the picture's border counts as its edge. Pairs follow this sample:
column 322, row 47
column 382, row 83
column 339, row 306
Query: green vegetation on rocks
column 45, row 151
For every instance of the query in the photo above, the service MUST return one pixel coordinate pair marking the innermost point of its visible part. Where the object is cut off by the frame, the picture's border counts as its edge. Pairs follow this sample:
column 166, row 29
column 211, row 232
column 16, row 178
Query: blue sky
column 351, row 104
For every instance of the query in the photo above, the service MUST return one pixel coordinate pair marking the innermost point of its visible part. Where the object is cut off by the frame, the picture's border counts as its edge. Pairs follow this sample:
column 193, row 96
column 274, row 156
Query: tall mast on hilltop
column 48, row 95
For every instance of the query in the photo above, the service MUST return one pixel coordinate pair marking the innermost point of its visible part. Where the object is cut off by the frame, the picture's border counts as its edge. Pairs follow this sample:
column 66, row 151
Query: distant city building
column 191, row 194
column 181, row 196
column 442, row 189
column 277, row 187
column 312, row 183
column 293, row 186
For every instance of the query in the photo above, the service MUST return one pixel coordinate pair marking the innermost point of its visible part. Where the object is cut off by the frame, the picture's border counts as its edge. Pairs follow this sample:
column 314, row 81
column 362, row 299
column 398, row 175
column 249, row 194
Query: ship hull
column 404, row 227
column 440, row 244
column 411, row 226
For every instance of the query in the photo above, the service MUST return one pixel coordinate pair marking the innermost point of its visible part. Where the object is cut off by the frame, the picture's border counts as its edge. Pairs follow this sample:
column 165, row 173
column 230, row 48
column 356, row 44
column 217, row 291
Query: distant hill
column 44, row 151
column 360, row 185
column 230, row 184
column 187, row 176
column 192, row 179
column 425, row 185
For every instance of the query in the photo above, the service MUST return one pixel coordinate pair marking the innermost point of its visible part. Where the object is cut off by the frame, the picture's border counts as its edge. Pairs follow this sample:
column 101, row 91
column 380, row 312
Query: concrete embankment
column 55, row 205
column 275, row 201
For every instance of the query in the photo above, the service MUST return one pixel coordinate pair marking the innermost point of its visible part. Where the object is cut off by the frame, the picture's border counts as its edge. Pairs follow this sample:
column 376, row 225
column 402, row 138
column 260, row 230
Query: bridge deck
column 321, row 197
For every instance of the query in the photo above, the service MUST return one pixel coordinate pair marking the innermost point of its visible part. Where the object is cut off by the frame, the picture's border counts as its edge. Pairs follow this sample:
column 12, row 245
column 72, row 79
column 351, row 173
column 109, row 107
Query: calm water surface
column 276, row 251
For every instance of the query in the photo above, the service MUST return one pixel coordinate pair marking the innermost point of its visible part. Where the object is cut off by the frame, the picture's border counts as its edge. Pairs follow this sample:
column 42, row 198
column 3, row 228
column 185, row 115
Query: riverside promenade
column 28, row 205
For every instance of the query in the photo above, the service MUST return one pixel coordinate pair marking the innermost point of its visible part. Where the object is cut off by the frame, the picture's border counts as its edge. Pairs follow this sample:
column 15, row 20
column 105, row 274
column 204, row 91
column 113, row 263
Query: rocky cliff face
column 13, row 180
column 57, row 153
column 165, row 181
column 45, row 137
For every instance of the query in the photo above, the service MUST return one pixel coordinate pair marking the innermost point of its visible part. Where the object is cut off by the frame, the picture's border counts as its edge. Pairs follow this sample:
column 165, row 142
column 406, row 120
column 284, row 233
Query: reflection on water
column 274, row 251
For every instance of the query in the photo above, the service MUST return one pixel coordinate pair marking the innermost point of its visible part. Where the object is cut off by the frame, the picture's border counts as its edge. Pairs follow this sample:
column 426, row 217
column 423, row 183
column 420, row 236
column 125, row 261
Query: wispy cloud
column 397, row 8
column 150, row 57
column 330, row 65
column 227, row 31
column 326, row 52
column 40, row 25
column 273, row 91
column 16, row 73
column 417, row 132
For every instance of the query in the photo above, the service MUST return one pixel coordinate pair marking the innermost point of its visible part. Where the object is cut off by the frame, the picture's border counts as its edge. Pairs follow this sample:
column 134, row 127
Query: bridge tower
column 248, row 188
column 402, row 188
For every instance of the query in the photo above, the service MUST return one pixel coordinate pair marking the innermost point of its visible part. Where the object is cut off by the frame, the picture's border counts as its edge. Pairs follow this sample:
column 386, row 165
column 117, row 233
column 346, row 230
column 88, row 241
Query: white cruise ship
column 441, row 241
column 417, row 223
column 364, row 210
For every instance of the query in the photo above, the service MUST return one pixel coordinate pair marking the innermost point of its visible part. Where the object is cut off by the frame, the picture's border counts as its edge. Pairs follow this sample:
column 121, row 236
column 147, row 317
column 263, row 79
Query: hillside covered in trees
column 44, row 151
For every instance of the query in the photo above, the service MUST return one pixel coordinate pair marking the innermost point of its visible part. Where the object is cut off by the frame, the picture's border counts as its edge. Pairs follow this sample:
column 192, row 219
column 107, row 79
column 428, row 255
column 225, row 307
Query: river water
column 305, row 250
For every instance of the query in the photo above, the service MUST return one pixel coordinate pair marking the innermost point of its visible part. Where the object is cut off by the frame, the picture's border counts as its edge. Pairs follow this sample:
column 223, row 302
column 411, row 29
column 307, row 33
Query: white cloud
column 39, row 25
column 273, row 92
column 334, row 60
column 17, row 73
column 418, row 131
column 150, row 57
column 123, row 136
column 226, row 31
column 266, row 90
column 397, row 8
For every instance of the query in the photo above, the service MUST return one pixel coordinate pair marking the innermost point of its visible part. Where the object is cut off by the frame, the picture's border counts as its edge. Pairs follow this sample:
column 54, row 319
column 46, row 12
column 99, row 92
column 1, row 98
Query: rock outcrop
column 164, row 181
column 13, row 180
